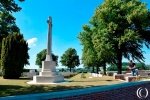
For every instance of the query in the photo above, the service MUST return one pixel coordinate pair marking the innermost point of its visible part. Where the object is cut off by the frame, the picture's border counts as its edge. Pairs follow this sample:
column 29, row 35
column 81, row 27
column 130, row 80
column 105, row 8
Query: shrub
column 68, row 74
column 14, row 55
column 110, row 73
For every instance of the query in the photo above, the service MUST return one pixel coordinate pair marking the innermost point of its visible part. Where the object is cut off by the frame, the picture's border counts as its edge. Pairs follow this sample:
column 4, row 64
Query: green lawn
column 19, row 86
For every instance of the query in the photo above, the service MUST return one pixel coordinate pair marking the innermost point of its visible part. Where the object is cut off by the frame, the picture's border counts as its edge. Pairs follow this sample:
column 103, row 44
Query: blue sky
column 68, row 17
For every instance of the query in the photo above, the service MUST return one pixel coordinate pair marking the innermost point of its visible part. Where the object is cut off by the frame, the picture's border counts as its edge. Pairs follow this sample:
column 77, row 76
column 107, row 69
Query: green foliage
column 10, row 5
column 14, row 55
column 114, row 68
column 70, row 58
column 41, row 56
column 89, row 55
column 141, row 66
column 7, row 21
column 118, row 29
column 147, row 67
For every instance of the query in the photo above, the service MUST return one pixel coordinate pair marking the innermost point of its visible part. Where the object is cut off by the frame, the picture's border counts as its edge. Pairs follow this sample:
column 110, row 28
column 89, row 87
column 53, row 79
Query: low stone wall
column 120, row 93
column 124, row 91
column 144, row 73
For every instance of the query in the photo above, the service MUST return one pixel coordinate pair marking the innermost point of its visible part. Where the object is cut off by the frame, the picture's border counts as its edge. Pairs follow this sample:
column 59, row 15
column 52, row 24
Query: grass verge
column 10, row 87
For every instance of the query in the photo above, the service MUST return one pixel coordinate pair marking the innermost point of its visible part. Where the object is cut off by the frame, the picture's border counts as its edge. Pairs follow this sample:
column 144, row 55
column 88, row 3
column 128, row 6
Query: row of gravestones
column 128, row 76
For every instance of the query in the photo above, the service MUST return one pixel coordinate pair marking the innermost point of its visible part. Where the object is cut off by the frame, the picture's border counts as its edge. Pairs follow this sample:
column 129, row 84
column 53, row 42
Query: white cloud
column 32, row 42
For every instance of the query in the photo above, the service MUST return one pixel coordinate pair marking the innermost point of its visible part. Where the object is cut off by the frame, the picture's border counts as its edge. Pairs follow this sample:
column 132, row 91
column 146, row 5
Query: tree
column 119, row 29
column 14, row 56
column 89, row 55
column 7, row 21
column 41, row 56
column 70, row 58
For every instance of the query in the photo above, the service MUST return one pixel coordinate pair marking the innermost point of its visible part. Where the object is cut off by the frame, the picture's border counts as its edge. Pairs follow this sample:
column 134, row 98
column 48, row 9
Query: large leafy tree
column 7, row 21
column 14, row 56
column 41, row 56
column 70, row 58
column 120, row 28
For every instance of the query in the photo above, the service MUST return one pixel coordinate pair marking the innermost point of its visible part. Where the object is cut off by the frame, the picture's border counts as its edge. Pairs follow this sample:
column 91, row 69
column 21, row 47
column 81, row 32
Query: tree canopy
column 7, row 21
column 70, row 58
column 10, row 5
column 41, row 56
column 119, row 29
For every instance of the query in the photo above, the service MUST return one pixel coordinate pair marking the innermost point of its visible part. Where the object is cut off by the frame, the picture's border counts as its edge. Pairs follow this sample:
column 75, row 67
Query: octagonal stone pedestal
column 48, row 74
column 48, row 79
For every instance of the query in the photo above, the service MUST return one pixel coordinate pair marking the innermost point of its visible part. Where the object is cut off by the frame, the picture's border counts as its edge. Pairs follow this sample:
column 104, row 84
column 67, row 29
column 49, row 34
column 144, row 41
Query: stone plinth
column 130, row 78
column 48, row 73
column 119, row 76
column 48, row 79
column 48, row 68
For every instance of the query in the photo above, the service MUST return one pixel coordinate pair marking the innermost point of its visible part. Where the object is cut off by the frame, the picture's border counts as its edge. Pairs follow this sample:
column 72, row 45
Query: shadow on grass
column 9, row 90
column 22, row 78
column 109, row 80
column 88, row 80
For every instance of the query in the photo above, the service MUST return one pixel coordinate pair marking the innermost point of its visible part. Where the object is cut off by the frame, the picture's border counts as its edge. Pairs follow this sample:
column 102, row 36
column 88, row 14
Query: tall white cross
column 49, row 40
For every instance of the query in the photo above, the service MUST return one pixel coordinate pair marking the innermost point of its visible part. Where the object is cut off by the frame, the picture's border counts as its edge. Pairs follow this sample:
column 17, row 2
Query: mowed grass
column 92, row 81
column 10, row 87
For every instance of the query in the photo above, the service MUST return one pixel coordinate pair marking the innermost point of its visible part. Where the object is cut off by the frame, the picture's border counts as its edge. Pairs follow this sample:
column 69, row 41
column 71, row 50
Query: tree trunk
column 119, row 61
column 70, row 69
column 93, row 70
column 104, row 69
column 97, row 69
